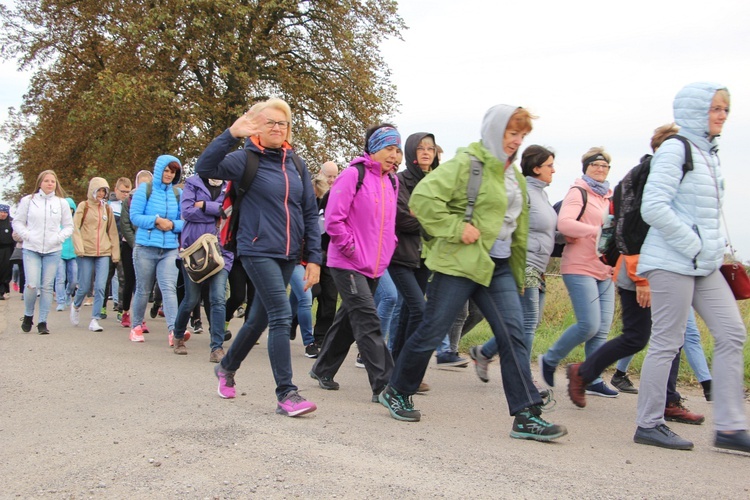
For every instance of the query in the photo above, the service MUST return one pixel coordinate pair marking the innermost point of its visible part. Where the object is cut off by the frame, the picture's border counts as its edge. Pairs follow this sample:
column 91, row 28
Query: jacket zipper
column 382, row 224
column 286, row 202
column 98, row 230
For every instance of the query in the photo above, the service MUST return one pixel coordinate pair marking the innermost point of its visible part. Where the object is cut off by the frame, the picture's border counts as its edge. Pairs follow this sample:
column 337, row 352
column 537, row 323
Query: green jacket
column 439, row 203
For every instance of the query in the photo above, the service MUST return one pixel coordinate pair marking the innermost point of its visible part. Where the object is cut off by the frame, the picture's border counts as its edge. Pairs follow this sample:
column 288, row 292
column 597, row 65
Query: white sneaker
column 94, row 326
column 74, row 315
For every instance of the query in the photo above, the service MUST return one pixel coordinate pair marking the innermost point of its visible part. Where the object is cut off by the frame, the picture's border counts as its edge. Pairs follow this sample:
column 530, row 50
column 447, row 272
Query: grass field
column 558, row 315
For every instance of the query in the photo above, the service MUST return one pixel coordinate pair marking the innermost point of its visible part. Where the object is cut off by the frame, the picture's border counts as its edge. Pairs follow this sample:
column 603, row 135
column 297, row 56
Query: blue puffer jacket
column 279, row 212
column 162, row 203
column 685, row 235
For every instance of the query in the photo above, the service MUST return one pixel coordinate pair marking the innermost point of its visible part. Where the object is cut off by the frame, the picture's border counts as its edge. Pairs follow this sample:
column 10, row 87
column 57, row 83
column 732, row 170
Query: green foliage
column 119, row 82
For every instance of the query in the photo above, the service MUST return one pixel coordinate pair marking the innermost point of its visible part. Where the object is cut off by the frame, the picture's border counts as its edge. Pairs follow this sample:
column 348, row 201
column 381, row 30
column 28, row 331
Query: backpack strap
column 472, row 187
column 85, row 211
column 585, row 197
column 688, row 165
column 361, row 178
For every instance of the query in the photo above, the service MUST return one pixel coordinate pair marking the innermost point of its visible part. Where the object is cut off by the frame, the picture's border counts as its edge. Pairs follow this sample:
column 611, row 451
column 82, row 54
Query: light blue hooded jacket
column 685, row 217
column 162, row 202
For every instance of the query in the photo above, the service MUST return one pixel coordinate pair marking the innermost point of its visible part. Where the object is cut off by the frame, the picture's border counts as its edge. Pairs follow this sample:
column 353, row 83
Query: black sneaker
column 312, row 350
column 42, row 328
column 26, row 323
column 198, row 326
column 400, row 405
column 661, row 436
column 737, row 441
column 359, row 362
column 154, row 310
column 227, row 335
column 547, row 371
column 623, row 384
column 530, row 425
column 326, row 383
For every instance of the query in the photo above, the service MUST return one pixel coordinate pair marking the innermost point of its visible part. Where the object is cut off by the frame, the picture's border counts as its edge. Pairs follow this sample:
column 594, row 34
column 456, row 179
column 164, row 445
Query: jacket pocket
column 695, row 258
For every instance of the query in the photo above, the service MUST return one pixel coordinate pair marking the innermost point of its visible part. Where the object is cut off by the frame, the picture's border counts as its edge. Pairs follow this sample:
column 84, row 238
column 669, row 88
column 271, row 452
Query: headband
column 382, row 138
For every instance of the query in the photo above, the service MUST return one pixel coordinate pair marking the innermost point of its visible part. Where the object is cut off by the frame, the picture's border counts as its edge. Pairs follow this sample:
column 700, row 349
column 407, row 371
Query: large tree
column 118, row 82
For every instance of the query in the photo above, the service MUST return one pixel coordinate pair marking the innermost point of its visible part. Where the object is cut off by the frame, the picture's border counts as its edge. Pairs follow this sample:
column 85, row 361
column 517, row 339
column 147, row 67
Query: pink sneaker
column 136, row 335
column 171, row 337
column 125, row 321
column 226, row 382
column 144, row 328
column 294, row 405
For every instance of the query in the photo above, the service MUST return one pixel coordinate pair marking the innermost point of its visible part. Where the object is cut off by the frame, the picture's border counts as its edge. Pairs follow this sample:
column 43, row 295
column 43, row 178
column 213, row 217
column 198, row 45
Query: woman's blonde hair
column 59, row 191
column 280, row 105
column 662, row 133
column 321, row 186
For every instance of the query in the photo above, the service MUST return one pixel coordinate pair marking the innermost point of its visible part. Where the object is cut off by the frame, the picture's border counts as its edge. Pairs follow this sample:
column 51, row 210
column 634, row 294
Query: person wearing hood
column 361, row 221
column 155, row 211
column 96, row 242
column 43, row 222
column 7, row 244
column 278, row 222
column 127, row 244
column 588, row 279
column 483, row 259
column 681, row 257
column 407, row 268
column 66, row 280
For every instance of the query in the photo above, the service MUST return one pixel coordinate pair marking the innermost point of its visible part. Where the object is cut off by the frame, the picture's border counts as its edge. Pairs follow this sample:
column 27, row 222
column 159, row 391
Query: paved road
column 87, row 414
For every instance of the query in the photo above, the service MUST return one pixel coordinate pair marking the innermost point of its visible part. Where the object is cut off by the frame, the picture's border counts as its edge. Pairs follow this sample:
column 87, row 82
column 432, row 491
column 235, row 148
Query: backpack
column 236, row 192
column 558, row 248
column 630, row 228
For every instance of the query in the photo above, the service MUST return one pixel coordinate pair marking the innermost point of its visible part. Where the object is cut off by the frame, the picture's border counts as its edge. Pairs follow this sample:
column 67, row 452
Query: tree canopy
column 118, row 82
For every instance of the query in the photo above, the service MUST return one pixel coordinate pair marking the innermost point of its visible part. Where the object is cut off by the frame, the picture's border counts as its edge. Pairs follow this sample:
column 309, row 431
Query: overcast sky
column 596, row 73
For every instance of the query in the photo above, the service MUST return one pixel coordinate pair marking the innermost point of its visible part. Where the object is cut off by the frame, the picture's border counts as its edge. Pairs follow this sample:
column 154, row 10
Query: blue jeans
column 501, row 307
column 217, row 293
column 532, row 303
column 594, row 306
column 40, row 269
column 99, row 267
column 270, row 308
column 67, row 272
column 152, row 263
column 411, row 284
column 301, row 302
column 386, row 297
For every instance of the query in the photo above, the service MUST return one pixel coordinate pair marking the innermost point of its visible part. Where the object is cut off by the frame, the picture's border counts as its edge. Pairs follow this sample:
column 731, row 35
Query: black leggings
column 240, row 287
column 128, row 271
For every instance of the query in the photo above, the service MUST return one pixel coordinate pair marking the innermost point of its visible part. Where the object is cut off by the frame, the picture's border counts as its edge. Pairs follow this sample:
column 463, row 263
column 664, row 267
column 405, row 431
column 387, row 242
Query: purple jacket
column 362, row 225
column 199, row 221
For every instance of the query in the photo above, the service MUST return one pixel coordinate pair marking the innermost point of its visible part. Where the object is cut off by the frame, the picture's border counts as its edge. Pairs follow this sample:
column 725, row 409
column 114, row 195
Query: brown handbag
column 736, row 276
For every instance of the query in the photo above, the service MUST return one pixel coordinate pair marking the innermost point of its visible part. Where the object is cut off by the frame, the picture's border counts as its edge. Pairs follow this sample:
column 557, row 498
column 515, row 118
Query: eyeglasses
column 124, row 191
column 282, row 124
column 603, row 166
column 423, row 149
column 719, row 109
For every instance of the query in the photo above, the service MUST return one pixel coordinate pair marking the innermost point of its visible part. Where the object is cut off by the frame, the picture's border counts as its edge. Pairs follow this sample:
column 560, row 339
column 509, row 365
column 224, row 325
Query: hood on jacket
column 691, row 106
column 95, row 184
column 493, row 130
column 410, row 153
column 137, row 176
column 161, row 163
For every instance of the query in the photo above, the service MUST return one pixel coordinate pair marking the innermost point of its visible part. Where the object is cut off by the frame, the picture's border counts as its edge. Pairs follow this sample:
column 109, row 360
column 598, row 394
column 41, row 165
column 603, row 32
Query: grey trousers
column 671, row 297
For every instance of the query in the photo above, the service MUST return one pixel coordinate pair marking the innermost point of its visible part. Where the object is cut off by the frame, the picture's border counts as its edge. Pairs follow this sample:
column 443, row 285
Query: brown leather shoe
column 678, row 412
column 216, row 356
column 179, row 346
column 423, row 387
column 576, row 386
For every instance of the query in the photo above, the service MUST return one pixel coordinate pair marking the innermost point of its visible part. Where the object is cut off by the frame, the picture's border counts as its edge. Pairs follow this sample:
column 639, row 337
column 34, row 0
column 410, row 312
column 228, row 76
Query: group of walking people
column 473, row 233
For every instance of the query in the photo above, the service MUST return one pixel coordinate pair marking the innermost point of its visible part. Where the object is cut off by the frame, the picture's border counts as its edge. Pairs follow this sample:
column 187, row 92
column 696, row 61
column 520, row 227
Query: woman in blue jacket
column 155, row 211
column 680, row 258
column 276, row 216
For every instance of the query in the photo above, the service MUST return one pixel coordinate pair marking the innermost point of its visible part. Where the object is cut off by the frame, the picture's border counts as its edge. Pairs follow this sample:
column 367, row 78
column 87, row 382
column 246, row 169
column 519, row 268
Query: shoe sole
column 312, row 356
column 359, row 365
column 138, row 340
column 730, row 447
column 322, row 384
column 453, row 364
column 96, row 329
column 594, row 393
column 659, row 444
column 539, row 437
column 383, row 402
column 298, row 413
column 625, row 391
column 685, row 421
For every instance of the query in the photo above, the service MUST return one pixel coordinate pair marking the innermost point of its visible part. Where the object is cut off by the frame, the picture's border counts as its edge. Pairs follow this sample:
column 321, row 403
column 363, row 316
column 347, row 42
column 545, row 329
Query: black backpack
column 630, row 228
column 558, row 249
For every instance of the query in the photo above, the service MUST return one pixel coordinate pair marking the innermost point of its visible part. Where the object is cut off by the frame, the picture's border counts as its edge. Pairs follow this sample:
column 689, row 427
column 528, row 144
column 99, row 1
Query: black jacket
column 408, row 230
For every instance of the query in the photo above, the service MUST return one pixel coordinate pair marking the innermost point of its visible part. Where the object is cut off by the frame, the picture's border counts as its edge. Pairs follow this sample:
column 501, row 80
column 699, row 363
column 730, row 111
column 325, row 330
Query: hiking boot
column 197, row 327
column 481, row 363
column 623, row 384
column 661, row 436
column 144, row 328
column 94, row 325
column 226, row 382
column 547, row 371
column 216, row 355
column 359, row 362
column 326, row 383
column 423, row 387
column 171, row 338
column 125, row 321
column 136, row 335
column 75, row 315
column 576, row 386
column 41, row 328
column 601, row 389
column 227, row 335
column 103, row 313
column 312, row 350
column 26, row 323
column 179, row 346
column 678, row 412
column 737, row 441
column 400, row 405
column 529, row 424
column 451, row 359
column 294, row 405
